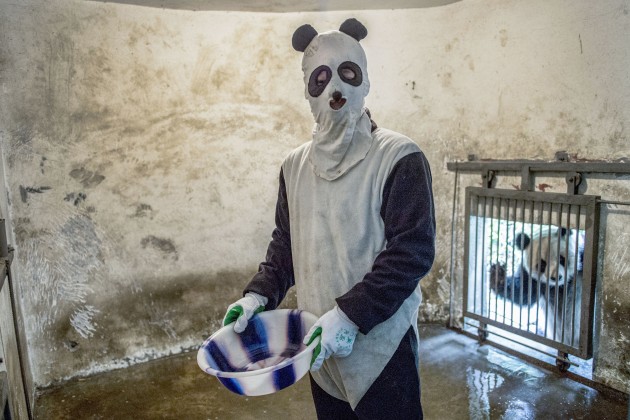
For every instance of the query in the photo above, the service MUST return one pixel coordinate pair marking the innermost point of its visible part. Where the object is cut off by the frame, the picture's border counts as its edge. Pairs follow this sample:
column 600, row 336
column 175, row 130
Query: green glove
column 243, row 309
column 337, row 333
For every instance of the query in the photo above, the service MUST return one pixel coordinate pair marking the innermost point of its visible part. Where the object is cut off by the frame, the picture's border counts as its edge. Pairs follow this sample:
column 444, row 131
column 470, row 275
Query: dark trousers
column 395, row 394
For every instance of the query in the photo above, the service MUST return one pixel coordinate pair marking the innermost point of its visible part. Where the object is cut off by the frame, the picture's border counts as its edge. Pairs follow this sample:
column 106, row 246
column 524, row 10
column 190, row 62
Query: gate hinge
column 489, row 179
column 574, row 179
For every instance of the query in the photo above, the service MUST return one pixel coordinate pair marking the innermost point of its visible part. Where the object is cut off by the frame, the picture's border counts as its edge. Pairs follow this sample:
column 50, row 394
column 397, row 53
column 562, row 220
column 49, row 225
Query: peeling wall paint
column 143, row 149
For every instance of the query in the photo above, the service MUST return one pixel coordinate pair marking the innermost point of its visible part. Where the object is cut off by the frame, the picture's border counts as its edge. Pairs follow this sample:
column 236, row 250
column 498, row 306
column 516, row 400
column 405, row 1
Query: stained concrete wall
column 142, row 149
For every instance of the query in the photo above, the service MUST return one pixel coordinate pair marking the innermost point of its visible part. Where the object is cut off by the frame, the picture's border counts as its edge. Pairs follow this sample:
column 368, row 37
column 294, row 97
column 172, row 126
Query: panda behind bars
column 551, row 272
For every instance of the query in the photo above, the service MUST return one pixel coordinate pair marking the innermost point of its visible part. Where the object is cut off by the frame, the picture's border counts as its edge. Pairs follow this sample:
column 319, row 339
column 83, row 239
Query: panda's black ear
column 354, row 28
column 522, row 241
column 302, row 37
column 563, row 231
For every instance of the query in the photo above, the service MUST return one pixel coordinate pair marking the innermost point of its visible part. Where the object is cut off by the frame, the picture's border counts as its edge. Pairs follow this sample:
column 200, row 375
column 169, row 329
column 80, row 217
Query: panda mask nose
column 337, row 101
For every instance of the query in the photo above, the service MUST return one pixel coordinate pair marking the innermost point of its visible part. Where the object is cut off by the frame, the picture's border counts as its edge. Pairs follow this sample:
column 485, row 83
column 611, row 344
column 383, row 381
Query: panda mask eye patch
column 319, row 79
column 350, row 73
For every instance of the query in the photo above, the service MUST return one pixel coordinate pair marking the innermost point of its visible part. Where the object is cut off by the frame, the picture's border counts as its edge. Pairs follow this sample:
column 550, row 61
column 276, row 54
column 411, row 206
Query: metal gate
column 531, row 265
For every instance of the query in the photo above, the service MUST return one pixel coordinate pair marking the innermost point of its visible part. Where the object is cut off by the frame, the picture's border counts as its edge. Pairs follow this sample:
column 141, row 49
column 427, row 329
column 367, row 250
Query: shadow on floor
column 460, row 380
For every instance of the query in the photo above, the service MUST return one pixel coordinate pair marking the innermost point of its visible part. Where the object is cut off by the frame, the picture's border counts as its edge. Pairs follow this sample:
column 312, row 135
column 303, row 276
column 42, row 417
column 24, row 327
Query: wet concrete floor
column 460, row 380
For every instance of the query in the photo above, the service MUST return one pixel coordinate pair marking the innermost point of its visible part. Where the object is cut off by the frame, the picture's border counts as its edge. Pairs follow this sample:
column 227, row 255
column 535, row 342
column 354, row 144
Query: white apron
column 336, row 234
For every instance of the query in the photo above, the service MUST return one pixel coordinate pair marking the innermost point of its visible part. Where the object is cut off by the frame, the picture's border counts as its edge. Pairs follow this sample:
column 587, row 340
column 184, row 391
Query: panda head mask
column 336, row 84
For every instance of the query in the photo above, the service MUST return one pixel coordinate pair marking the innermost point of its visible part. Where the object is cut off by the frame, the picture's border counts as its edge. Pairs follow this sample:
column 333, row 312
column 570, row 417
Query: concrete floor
column 460, row 380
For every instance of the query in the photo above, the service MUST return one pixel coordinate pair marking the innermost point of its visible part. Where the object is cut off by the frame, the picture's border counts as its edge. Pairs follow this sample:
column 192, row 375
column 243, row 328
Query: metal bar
column 547, row 267
column 529, row 285
column 564, row 359
column 589, row 279
column 520, row 297
column 510, row 292
column 474, row 296
column 490, row 257
column 516, row 166
column 619, row 203
column 540, row 219
column 548, row 197
column 3, row 274
column 466, row 270
column 578, row 281
column 4, row 245
column 527, row 180
column 4, row 253
column 567, row 274
column 530, row 336
column 451, row 303
column 505, row 290
column 6, row 259
column 496, row 284
column 483, row 255
column 557, row 264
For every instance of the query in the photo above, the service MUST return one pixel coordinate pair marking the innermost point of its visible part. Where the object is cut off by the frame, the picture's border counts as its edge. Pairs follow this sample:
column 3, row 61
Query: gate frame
column 575, row 173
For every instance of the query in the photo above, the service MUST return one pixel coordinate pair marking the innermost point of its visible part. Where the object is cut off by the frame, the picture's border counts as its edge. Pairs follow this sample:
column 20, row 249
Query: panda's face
column 335, row 77
column 549, row 256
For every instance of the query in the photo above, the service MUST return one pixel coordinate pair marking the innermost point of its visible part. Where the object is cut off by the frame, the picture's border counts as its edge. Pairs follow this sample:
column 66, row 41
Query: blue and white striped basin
column 267, row 357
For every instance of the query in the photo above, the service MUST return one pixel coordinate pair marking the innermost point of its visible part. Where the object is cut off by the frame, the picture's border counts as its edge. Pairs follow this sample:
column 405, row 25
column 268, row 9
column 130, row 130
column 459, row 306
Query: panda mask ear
column 305, row 33
column 354, row 28
column 302, row 37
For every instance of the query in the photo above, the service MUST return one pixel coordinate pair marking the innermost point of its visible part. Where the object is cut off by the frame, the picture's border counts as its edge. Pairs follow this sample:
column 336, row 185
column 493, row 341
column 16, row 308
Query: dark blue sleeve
column 275, row 274
column 409, row 218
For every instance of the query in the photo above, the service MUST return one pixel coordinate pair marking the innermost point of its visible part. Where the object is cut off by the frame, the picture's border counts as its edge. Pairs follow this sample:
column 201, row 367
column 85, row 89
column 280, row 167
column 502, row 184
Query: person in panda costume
column 355, row 232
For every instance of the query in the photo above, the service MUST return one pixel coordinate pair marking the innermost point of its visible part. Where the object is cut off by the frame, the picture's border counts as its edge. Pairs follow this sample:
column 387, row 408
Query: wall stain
column 434, row 307
column 75, row 199
column 83, row 243
column 446, row 79
column 132, row 131
column 144, row 210
column 23, row 230
column 163, row 245
column 57, row 78
column 23, row 135
column 503, row 37
column 86, row 177
column 450, row 45
column 471, row 63
column 3, row 62
column 189, row 307
column 25, row 191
